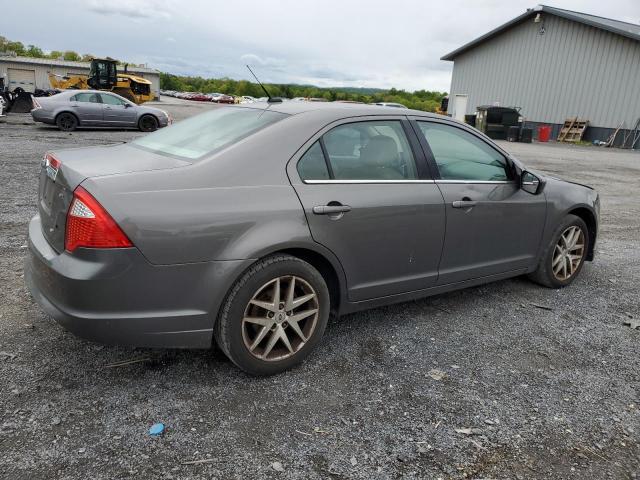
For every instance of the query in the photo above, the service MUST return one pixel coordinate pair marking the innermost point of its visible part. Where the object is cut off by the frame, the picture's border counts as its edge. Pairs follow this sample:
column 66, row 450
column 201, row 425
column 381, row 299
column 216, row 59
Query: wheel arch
column 55, row 119
column 590, row 219
column 318, row 257
column 326, row 269
column 147, row 114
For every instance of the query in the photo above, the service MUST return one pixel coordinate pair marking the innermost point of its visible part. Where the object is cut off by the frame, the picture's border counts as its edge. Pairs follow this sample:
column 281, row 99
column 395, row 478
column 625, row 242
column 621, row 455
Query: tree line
column 419, row 99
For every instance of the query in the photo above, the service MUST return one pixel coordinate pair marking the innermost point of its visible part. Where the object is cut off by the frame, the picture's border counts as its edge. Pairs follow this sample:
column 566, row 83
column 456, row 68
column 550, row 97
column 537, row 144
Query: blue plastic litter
column 156, row 429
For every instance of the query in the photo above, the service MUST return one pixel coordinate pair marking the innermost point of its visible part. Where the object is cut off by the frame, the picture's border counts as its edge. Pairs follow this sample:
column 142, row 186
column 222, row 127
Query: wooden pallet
column 573, row 130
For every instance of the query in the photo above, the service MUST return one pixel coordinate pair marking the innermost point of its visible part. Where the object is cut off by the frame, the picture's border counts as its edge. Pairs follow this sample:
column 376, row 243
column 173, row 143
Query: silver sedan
column 73, row 109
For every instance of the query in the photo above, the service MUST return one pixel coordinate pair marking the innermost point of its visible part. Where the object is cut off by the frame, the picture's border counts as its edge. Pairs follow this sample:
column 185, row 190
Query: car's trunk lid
column 60, row 177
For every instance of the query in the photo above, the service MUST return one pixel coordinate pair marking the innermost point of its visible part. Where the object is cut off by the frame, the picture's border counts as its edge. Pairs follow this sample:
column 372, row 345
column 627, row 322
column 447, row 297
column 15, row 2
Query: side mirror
column 531, row 183
column 127, row 105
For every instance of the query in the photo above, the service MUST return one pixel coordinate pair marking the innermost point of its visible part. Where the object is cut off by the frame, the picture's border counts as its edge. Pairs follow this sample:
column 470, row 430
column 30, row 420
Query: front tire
column 274, row 316
column 148, row 123
column 67, row 122
column 564, row 257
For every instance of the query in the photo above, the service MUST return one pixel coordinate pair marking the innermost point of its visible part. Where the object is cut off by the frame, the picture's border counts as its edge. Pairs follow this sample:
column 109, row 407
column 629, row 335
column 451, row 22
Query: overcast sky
column 368, row 43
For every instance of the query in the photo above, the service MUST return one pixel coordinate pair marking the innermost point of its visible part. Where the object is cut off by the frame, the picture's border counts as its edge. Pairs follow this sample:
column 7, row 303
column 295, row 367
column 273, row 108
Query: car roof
column 73, row 91
column 336, row 109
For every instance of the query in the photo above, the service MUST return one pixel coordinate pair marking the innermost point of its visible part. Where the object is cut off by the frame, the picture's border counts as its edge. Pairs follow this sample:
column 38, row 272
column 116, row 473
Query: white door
column 460, row 106
column 25, row 79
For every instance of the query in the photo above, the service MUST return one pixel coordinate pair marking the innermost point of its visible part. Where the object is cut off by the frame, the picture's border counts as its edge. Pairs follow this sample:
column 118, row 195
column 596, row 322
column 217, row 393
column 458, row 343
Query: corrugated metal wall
column 42, row 77
column 572, row 69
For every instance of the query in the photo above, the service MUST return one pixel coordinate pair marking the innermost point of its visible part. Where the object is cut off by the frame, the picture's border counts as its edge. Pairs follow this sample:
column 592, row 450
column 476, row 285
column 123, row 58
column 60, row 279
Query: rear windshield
column 208, row 132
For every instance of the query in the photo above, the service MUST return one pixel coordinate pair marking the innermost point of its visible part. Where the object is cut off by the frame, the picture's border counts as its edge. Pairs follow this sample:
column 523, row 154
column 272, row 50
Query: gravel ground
column 507, row 380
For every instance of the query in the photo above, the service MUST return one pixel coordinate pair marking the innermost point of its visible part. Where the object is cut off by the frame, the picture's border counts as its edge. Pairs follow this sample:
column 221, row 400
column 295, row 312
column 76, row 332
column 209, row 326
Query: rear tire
column 67, row 122
column 278, row 296
column 563, row 259
column 148, row 123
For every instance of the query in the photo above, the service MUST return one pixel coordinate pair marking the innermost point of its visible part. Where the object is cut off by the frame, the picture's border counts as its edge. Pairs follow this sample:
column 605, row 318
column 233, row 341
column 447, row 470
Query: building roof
column 66, row 63
column 629, row 30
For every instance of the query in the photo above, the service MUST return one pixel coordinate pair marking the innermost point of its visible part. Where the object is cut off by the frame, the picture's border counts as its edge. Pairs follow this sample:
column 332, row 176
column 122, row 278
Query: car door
column 493, row 226
column 88, row 108
column 367, row 197
column 117, row 111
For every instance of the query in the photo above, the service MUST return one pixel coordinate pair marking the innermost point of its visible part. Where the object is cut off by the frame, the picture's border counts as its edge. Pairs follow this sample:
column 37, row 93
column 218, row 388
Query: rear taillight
column 89, row 225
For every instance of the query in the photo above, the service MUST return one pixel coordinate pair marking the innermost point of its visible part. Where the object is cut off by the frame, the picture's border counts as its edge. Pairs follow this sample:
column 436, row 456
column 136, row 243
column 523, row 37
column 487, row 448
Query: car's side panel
column 391, row 240
column 87, row 112
column 561, row 200
column 119, row 116
column 501, row 233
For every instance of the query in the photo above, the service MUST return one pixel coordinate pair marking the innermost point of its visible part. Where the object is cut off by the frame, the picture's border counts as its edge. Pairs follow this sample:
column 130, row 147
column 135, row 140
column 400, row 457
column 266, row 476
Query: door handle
column 331, row 209
column 464, row 203
column 75, row 106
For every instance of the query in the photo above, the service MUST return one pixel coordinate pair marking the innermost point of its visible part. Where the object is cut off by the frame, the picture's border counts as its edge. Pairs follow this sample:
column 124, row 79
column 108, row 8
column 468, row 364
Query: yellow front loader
column 103, row 75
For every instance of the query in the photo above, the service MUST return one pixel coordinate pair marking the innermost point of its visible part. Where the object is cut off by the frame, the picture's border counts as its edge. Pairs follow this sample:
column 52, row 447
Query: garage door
column 25, row 79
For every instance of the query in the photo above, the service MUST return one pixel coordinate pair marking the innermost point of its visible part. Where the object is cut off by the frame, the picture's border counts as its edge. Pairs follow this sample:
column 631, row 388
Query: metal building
column 31, row 73
column 555, row 64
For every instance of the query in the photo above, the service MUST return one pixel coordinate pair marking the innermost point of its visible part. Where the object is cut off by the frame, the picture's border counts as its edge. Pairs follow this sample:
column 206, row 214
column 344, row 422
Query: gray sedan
column 72, row 109
column 252, row 225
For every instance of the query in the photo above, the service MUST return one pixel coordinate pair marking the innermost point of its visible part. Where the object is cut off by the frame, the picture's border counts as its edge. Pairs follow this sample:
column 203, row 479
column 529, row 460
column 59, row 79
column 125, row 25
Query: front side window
column 462, row 156
column 205, row 133
column 111, row 100
column 374, row 150
column 87, row 97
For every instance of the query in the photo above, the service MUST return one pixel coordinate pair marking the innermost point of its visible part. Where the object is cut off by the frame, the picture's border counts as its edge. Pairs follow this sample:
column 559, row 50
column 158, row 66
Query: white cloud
column 138, row 9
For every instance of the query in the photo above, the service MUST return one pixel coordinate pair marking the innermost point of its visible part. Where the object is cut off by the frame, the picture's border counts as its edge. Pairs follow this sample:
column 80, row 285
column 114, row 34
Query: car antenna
column 270, row 98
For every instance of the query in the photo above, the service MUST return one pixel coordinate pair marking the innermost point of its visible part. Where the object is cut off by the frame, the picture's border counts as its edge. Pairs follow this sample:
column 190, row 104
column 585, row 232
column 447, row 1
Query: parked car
column 247, row 99
column 251, row 225
column 73, row 109
column 225, row 99
column 199, row 97
column 390, row 104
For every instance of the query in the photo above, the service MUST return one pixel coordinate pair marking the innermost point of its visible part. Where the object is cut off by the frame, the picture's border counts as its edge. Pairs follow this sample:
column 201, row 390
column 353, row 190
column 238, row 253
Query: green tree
column 72, row 56
column 16, row 47
column 33, row 51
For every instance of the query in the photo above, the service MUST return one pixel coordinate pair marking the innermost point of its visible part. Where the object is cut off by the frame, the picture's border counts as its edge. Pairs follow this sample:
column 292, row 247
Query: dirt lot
column 508, row 380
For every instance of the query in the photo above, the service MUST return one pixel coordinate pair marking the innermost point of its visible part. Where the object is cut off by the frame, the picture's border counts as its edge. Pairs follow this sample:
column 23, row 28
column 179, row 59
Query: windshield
column 208, row 132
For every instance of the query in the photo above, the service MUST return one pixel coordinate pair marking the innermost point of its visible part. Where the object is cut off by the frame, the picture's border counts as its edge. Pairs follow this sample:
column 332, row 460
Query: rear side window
column 312, row 165
column 462, row 156
column 203, row 134
column 86, row 97
column 374, row 150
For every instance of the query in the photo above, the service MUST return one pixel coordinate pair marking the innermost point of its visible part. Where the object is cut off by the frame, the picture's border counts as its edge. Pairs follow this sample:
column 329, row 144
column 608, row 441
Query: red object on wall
column 544, row 133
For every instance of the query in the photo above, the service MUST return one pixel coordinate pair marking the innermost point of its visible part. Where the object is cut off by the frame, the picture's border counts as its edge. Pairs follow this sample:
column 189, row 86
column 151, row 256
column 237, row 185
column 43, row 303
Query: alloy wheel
column 568, row 253
column 148, row 123
column 67, row 122
column 280, row 318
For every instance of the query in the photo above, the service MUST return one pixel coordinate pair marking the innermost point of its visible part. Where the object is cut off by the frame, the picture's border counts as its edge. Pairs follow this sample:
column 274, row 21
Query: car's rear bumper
column 115, row 296
column 42, row 115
